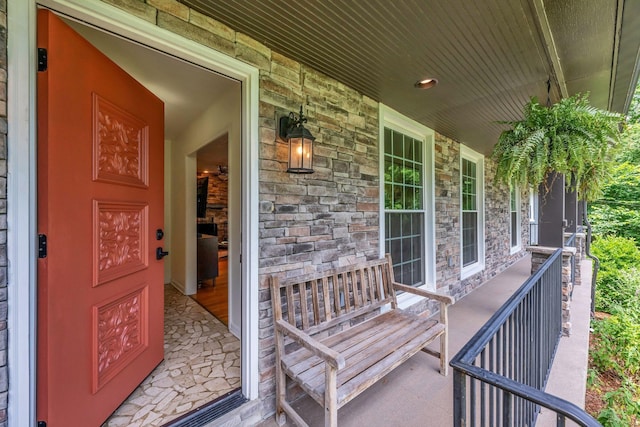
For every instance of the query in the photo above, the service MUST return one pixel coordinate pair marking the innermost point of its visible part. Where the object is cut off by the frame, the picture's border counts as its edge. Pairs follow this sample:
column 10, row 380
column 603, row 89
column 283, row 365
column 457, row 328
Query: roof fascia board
column 550, row 46
column 627, row 56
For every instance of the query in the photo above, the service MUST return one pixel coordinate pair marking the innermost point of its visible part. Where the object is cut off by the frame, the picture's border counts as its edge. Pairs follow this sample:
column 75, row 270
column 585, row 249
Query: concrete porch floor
column 415, row 394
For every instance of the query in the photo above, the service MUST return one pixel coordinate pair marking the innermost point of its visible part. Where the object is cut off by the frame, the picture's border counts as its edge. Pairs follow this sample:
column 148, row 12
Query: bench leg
column 281, row 394
column 330, row 397
column 444, row 357
column 444, row 341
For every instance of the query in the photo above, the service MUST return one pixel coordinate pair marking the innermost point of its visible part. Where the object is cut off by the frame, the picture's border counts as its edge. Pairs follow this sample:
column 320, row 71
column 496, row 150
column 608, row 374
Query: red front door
column 100, row 202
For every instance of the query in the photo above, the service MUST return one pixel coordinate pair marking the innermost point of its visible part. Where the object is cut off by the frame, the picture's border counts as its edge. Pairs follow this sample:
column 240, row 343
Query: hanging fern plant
column 571, row 138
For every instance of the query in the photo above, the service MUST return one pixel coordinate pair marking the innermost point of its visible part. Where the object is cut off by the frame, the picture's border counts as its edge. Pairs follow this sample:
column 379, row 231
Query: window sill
column 470, row 270
column 406, row 299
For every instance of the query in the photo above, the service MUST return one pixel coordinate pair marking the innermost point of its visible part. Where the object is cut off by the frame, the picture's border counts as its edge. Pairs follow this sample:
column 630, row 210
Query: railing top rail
column 474, row 346
column 532, row 394
column 570, row 241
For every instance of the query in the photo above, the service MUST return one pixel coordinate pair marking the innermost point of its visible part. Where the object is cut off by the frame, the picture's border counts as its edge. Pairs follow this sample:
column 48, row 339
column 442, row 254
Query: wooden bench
column 340, row 331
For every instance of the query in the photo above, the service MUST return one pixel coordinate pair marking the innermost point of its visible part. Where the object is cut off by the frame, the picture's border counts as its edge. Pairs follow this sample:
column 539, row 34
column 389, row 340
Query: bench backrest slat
column 304, row 301
column 367, row 287
column 291, row 305
column 372, row 286
column 318, row 301
column 387, row 281
column 353, row 286
column 326, row 299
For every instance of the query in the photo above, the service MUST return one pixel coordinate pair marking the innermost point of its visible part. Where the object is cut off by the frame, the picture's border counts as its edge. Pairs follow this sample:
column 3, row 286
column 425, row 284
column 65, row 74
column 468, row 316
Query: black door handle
column 160, row 253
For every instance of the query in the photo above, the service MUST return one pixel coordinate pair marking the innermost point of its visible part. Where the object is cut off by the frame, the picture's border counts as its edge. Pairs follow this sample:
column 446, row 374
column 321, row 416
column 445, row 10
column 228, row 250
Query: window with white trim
column 514, row 217
column 404, row 207
column 472, row 211
column 407, row 192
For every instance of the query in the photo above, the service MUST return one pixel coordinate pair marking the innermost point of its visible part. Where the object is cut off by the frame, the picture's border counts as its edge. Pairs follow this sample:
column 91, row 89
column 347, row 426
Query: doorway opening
column 202, row 360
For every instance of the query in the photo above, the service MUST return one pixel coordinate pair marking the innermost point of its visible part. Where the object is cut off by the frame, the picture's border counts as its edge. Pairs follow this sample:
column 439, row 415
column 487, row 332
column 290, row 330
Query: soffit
column 490, row 57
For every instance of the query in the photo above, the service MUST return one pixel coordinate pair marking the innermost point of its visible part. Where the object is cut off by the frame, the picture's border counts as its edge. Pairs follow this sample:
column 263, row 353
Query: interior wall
column 223, row 116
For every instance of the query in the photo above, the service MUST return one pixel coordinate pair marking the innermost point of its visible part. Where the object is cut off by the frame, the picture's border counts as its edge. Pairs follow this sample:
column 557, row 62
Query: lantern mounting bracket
column 288, row 123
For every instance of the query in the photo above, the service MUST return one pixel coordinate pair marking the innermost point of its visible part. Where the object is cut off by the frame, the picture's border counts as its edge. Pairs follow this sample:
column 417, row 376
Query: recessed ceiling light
column 426, row 83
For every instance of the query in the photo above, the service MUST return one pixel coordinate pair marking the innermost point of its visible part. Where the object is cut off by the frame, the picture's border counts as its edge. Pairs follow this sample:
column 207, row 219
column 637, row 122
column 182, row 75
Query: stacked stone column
column 579, row 245
column 539, row 254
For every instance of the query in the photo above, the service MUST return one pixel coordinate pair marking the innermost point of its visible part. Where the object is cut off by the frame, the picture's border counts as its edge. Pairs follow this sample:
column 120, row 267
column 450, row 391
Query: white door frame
column 22, row 175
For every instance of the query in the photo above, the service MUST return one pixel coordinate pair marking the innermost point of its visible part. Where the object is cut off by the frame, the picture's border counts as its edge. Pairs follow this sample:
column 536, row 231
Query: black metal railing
column 500, row 374
column 571, row 240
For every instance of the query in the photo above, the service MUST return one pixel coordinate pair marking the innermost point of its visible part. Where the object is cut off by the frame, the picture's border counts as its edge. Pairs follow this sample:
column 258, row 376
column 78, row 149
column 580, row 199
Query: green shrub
column 615, row 220
column 623, row 408
column 618, row 282
column 617, row 351
column 619, row 290
column 619, row 345
column 624, row 183
column 616, row 340
column 616, row 253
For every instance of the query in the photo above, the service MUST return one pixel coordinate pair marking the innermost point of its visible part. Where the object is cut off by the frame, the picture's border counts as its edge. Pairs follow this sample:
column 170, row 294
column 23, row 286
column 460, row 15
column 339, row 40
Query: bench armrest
column 330, row 356
column 446, row 299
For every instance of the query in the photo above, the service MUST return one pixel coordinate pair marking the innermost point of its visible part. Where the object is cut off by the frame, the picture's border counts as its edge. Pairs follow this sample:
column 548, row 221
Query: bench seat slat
column 356, row 352
column 368, row 356
column 360, row 353
column 302, row 359
column 365, row 379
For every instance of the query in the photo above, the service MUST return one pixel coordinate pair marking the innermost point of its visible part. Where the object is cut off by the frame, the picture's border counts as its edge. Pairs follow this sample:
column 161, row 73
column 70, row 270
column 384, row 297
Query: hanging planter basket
column 571, row 137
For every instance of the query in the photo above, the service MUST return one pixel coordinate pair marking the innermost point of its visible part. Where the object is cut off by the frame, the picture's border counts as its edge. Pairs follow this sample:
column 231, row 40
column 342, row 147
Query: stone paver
column 202, row 360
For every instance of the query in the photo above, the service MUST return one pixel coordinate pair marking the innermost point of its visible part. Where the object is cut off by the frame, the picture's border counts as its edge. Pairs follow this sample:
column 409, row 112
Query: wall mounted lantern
column 300, row 140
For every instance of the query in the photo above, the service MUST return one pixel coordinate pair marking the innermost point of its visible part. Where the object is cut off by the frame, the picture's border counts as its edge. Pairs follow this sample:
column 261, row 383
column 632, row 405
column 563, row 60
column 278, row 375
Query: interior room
column 212, row 208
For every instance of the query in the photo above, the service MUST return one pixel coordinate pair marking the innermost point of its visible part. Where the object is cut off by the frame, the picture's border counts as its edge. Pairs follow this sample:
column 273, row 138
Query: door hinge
column 42, row 59
column 42, row 424
column 42, row 245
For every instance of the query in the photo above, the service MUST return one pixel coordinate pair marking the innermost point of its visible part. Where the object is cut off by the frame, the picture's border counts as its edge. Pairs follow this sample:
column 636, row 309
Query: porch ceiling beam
column 550, row 46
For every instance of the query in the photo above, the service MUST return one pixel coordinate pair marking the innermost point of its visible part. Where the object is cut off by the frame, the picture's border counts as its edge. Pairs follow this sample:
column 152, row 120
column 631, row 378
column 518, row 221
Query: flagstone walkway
column 202, row 362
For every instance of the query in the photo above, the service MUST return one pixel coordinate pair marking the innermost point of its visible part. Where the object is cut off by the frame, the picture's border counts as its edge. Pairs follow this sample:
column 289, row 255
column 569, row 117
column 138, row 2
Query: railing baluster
column 459, row 399
column 492, row 390
column 560, row 420
column 496, row 368
column 483, row 412
column 472, row 402
column 507, row 417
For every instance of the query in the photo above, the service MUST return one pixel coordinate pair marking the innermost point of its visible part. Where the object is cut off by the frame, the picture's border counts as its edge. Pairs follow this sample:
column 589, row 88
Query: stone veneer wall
column 315, row 222
column 217, row 195
column 4, row 380
column 497, row 221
